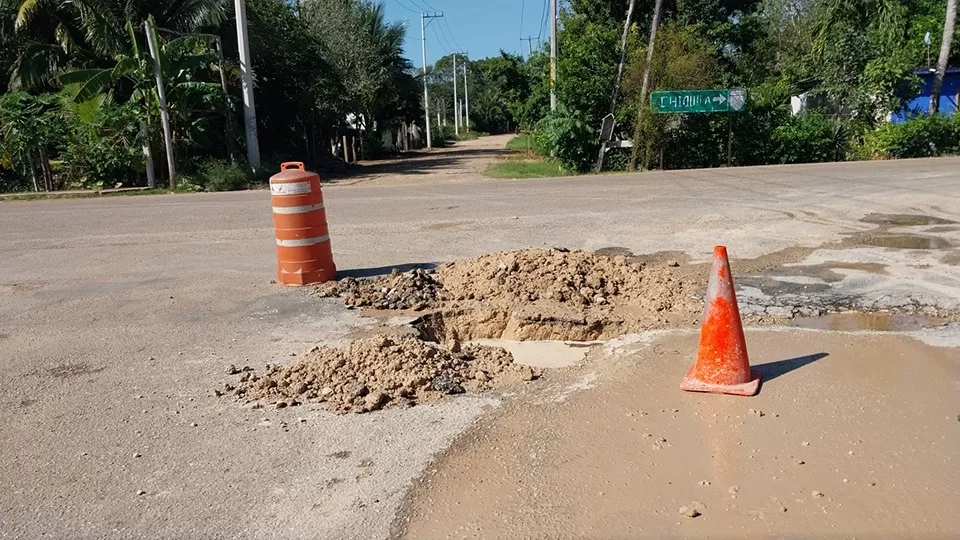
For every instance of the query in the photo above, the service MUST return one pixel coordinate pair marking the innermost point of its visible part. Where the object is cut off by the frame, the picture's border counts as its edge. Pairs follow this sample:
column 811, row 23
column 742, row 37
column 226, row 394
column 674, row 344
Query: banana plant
column 182, row 61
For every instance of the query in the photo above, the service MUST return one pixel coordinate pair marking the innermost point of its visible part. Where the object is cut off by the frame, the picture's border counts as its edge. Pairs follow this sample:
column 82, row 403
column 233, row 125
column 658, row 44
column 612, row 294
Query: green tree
column 682, row 59
column 587, row 66
column 500, row 85
column 858, row 48
column 29, row 131
column 61, row 35
column 366, row 53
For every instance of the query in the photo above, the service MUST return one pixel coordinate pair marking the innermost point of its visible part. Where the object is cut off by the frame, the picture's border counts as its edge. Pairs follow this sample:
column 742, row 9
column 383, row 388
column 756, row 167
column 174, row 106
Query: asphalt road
column 118, row 315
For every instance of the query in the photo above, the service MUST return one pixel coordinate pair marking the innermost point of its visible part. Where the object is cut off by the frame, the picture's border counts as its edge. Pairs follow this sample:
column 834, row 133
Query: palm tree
column 948, row 28
column 386, row 39
column 64, row 34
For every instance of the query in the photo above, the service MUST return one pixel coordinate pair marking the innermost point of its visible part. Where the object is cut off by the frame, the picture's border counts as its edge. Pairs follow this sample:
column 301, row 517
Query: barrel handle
column 291, row 165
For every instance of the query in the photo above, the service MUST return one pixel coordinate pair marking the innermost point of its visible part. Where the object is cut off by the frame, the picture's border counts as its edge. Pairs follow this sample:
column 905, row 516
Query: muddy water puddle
column 882, row 321
column 905, row 220
column 901, row 241
column 544, row 354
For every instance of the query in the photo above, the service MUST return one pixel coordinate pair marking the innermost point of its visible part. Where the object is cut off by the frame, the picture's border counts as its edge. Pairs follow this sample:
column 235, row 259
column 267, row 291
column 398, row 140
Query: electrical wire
column 456, row 46
column 442, row 40
column 404, row 6
column 421, row 6
column 521, row 20
column 543, row 23
column 424, row 2
column 452, row 35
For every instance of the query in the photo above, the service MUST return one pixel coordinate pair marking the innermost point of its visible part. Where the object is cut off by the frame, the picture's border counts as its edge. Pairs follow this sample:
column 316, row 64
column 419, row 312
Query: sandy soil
column 851, row 434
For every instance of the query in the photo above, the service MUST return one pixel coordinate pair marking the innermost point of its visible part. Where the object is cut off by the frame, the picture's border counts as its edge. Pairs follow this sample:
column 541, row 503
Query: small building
column 949, row 96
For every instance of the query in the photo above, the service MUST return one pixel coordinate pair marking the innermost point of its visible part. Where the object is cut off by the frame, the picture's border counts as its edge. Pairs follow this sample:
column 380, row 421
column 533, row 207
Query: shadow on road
column 772, row 370
column 382, row 270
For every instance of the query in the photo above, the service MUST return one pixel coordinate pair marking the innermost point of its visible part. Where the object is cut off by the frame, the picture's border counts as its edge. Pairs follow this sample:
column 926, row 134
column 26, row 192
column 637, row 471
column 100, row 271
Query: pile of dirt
column 561, row 276
column 377, row 372
column 558, row 294
column 415, row 289
column 534, row 294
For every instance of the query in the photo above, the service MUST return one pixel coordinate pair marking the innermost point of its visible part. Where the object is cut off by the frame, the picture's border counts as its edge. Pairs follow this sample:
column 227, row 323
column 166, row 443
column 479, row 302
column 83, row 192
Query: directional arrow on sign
column 720, row 99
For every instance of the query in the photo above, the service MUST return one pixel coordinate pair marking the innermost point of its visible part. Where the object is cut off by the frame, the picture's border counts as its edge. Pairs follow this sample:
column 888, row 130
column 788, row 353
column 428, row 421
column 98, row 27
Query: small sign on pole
column 606, row 128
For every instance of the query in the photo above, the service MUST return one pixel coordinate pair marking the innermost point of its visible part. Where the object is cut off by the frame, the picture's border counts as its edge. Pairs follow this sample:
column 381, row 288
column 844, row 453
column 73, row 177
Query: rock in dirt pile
column 415, row 289
column 377, row 372
column 533, row 294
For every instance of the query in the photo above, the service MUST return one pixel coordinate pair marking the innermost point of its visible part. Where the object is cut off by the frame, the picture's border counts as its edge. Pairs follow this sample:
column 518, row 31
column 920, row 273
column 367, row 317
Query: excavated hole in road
column 526, row 295
column 482, row 318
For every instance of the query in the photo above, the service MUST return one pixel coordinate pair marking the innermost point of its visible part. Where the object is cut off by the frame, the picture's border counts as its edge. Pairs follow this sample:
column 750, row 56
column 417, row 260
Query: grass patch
column 520, row 143
column 521, row 163
column 525, row 168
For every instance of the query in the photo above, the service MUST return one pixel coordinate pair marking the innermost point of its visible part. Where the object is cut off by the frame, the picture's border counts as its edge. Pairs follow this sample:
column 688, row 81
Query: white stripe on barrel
column 297, row 209
column 290, row 188
column 303, row 241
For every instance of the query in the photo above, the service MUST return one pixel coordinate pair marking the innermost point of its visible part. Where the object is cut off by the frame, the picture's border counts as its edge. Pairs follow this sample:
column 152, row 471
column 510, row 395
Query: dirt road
column 461, row 162
column 119, row 316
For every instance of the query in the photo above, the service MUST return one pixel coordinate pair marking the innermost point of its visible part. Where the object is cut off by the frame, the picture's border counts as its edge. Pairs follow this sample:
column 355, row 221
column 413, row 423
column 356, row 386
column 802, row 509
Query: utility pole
column 644, row 106
column 529, row 40
column 456, row 108
column 949, row 24
column 426, row 96
column 466, row 99
column 162, row 98
column 246, row 70
column 623, row 56
column 616, row 83
column 553, row 55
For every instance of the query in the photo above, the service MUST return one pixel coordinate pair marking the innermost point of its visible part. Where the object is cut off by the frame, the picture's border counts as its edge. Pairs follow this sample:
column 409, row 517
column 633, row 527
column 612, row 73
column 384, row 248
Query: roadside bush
column 103, row 145
column 216, row 175
column 808, row 138
column 261, row 175
column 920, row 136
column 565, row 136
column 617, row 159
column 11, row 181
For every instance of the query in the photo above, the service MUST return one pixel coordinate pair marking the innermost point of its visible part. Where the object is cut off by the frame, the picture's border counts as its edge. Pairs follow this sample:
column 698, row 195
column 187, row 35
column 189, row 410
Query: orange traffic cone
column 722, row 365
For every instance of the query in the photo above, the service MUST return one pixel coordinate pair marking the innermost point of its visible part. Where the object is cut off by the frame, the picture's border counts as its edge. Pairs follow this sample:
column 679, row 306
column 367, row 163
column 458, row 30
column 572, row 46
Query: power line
column 521, row 20
column 424, row 2
column 421, row 5
column 404, row 6
column 453, row 35
column 456, row 46
column 543, row 21
column 434, row 51
column 440, row 37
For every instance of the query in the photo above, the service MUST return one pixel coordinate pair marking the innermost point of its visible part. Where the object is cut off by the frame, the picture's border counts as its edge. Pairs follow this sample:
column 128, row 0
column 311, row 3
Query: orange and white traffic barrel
column 300, row 226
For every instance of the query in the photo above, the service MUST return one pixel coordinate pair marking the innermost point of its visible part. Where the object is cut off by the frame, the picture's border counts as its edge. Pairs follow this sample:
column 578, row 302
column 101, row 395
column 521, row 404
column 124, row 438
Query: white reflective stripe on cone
column 297, row 209
column 292, row 188
column 303, row 241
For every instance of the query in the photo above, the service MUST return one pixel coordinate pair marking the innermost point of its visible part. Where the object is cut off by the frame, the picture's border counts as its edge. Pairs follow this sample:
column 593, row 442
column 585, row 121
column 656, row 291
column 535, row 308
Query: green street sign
column 698, row 101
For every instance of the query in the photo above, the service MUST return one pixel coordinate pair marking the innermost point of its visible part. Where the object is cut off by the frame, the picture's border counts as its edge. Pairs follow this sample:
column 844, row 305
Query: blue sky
column 480, row 27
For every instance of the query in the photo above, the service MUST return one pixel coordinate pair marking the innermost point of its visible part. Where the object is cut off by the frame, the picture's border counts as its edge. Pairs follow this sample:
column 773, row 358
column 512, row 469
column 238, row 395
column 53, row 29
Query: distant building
column 949, row 96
